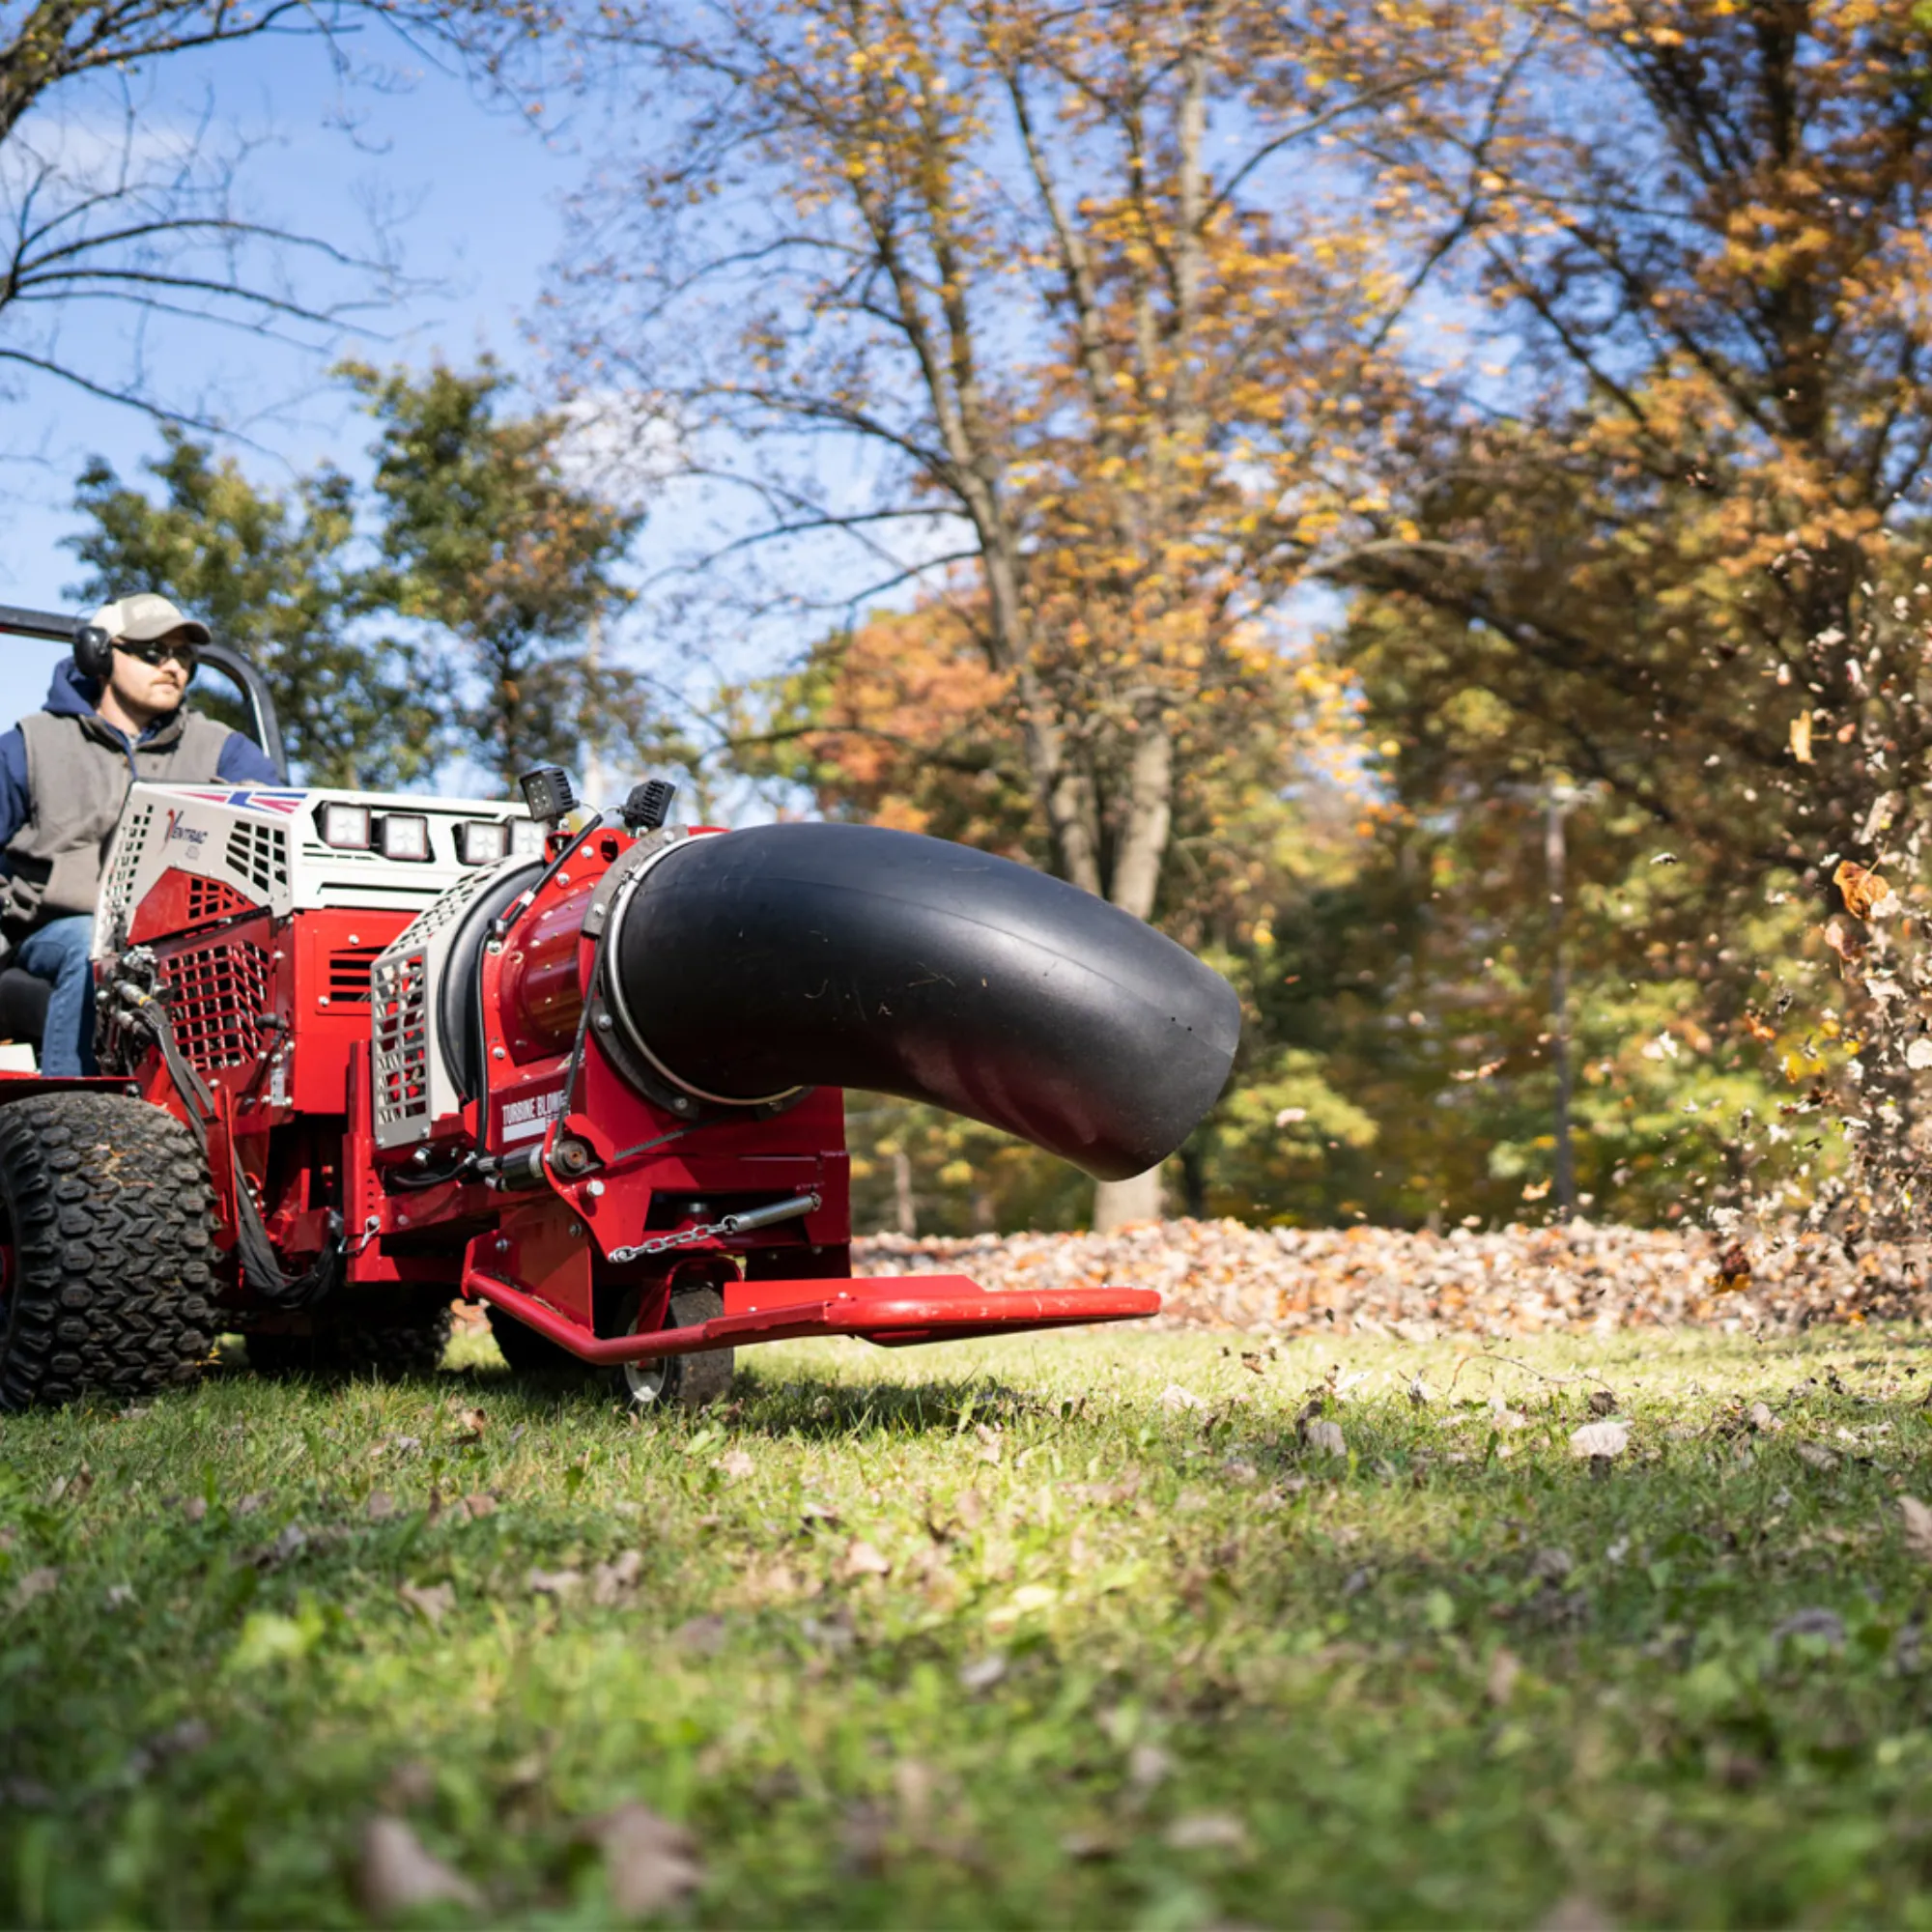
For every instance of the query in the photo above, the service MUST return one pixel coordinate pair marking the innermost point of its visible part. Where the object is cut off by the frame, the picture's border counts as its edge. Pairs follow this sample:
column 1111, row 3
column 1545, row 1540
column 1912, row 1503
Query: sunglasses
column 161, row 650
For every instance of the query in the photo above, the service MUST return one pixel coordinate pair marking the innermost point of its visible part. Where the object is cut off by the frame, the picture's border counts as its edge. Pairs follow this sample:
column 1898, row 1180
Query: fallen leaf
column 474, row 1507
column 1602, row 1403
column 1843, row 940
column 34, row 1584
column 734, row 1466
column 1827, row 1625
column 248, row 1505
column 1327, row 1438
column 610, row 1582
column 1801, row 738
column 1819, row 1457
column 1918, row 1525
column 121, row 1596
column 984, row 1672
column 1600, row 1439
column 1147, row 1766
column 73, row 1489
column 469, row 1424
column 291, row 1542
column 379, row 1507
column 1207, row 1830
column 1918, row 1054
column 397, row 1874
column 860, row 1559
column 1862, row 890
column 1762, row 1420
column 1734, row 1269
column 706, row 1635
column 557, row 1583
column 1505, row 1668
column 431, row 1602
column 195, row 1509
column 649, row 1862
column 1174, row 1396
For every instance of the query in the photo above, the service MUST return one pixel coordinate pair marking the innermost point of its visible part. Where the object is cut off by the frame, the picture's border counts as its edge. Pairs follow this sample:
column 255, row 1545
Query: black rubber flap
column 846, row 956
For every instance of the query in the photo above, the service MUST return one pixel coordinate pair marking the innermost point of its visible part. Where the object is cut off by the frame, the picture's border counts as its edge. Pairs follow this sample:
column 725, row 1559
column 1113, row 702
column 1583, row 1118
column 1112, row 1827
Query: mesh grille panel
column 211, row 900
column 399, row 1031
column 216, row 994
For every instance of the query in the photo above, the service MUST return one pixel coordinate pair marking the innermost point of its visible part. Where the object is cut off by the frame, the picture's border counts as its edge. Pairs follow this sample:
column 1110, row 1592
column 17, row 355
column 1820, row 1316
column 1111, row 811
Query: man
column 64, row 777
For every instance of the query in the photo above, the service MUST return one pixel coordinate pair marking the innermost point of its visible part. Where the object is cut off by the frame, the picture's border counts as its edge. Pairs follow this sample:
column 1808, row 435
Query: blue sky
column 472, row 196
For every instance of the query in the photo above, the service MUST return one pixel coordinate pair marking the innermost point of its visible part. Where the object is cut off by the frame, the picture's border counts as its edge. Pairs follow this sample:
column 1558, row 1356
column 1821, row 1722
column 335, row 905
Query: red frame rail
column 893, row 1311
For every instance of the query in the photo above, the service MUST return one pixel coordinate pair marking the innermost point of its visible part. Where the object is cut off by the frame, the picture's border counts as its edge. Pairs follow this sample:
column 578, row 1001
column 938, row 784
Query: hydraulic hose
column 756, row 962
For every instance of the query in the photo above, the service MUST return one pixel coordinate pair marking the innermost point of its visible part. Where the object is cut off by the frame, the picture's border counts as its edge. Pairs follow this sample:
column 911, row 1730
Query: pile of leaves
column 1573, row 1277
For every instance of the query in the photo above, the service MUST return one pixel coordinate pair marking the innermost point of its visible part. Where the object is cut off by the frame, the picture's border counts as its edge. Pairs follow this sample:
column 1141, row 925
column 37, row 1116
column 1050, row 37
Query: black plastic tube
column 847, row 955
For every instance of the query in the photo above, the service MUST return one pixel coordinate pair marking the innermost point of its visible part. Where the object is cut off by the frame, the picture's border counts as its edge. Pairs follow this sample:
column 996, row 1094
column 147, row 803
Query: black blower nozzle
column 805, row 955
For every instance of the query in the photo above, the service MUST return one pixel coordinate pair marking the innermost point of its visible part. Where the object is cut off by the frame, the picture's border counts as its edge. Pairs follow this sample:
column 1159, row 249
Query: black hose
column 781, row 956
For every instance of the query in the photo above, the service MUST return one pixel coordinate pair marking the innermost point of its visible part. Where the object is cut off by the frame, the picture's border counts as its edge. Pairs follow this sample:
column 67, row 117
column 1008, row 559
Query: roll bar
column 224, row 658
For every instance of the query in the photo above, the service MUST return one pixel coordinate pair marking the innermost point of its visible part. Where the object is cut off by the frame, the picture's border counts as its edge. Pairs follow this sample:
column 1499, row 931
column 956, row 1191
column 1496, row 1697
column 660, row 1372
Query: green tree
column 486, row 537
column 273, row 575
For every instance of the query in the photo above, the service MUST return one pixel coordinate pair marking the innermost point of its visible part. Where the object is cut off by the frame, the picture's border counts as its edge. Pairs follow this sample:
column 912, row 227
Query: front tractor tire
column 105, row 1279
column 679, row 1381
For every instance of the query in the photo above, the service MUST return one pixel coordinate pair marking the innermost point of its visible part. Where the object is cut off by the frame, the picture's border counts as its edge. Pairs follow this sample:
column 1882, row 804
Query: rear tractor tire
column 529, row 1353
column 396, row 1342
column 105, row 1280
column 679, row 1381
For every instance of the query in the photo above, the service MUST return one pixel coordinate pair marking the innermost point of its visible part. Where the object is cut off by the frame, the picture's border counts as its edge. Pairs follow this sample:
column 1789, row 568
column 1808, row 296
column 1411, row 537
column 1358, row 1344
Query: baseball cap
column 146, row 616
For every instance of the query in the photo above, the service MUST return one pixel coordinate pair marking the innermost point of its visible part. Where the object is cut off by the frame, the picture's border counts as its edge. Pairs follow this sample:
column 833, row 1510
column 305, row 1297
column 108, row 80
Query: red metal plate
column 894, row 1311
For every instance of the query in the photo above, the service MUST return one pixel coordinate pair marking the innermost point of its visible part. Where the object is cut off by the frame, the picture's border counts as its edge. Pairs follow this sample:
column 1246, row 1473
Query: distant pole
column 1554, row 855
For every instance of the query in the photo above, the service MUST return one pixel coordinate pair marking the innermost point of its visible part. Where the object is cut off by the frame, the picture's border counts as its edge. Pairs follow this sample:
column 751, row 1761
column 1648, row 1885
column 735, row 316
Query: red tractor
column 369, row 1053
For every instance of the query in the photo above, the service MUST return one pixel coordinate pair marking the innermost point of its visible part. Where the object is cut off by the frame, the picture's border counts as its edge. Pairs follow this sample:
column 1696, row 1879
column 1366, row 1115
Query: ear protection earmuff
column 93, row 652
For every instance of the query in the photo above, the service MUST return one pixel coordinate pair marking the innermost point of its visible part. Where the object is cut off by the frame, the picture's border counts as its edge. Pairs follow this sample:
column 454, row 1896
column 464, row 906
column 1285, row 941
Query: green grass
column 1135, row 1662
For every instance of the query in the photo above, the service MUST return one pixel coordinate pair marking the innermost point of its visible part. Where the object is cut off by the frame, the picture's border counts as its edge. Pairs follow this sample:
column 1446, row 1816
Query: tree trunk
column 903, row 1212
column 1136, row 882
column 1118, row 1202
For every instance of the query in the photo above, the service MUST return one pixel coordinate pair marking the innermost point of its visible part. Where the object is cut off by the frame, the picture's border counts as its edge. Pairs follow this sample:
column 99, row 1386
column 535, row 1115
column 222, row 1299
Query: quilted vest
column 78, row 771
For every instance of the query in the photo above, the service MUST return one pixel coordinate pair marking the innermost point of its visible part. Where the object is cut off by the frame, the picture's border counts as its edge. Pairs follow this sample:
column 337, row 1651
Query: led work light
column 346, row 827
column 482, row 841
column 404, row 836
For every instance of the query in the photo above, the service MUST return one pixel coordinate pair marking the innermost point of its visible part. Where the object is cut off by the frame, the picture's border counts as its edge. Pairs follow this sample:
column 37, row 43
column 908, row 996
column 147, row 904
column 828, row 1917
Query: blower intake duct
column 753, row 963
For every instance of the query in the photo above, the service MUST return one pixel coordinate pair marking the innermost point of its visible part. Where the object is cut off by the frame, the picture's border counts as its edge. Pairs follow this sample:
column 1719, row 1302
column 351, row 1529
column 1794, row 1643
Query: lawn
column 1124, row 1629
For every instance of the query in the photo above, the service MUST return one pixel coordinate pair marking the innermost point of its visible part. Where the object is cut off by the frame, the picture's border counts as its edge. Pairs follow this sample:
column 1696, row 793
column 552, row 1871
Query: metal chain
column 731, row 1224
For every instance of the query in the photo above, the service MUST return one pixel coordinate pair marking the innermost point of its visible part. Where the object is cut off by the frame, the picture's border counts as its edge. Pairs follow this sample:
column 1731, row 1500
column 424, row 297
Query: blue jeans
column 58, row 953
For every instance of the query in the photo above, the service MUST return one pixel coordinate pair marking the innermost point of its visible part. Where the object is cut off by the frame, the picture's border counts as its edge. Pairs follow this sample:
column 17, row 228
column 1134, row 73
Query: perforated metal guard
column 216, row 994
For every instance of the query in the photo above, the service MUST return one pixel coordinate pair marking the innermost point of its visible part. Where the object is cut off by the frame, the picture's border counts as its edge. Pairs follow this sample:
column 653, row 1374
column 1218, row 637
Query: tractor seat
column 23, row 1006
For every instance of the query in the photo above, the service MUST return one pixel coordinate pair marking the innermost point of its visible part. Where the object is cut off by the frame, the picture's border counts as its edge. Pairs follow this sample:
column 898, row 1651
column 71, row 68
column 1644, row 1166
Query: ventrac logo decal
column 526, row 1118
column 177, row 829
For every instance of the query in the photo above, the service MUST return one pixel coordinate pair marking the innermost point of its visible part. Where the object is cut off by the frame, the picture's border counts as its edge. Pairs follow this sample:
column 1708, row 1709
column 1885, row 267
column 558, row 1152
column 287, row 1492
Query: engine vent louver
column 259, row 854
column 350, row 969
column 216, row 996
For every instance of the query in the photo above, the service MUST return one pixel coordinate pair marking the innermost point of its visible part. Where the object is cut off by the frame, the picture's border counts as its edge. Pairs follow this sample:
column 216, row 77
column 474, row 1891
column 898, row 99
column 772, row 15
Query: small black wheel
column 105, row 1281
column 529, row 1353
column 390, row 1344
column 679, row 1381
